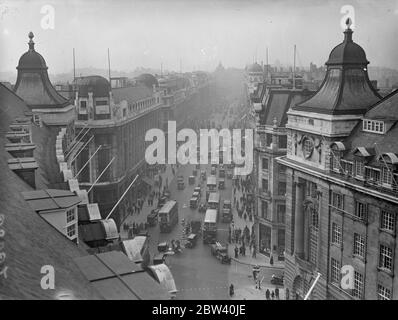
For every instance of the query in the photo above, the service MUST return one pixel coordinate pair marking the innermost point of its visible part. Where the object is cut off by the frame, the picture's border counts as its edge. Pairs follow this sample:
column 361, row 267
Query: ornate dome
column 98, row 85
column 148, row 80
column 347, row 52
column 255, row 67
column 31, row 59
column 346, row 90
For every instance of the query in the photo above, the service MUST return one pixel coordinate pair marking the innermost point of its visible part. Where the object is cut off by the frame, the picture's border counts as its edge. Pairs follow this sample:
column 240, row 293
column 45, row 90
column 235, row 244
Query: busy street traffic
column 204, row 264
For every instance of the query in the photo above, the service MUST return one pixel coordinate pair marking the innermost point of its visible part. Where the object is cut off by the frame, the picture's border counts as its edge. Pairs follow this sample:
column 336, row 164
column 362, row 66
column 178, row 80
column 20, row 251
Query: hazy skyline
column 197, row 33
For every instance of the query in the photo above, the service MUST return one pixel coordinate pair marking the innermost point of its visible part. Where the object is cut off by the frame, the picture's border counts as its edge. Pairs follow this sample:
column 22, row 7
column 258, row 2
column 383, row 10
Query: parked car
column 277, row 279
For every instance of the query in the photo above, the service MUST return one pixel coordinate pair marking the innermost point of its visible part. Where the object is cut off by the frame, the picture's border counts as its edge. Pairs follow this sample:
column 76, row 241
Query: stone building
column 271, row 104
column 341, row 177
column 117, row 120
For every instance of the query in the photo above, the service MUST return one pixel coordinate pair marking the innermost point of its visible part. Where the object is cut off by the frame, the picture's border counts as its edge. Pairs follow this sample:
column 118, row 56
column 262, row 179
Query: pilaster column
column 299, row 220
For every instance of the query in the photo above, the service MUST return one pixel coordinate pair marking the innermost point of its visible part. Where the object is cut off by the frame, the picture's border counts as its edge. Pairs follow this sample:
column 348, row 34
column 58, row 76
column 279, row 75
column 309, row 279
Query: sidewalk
column 260, row 260
column 146, row 209
column 251, row 293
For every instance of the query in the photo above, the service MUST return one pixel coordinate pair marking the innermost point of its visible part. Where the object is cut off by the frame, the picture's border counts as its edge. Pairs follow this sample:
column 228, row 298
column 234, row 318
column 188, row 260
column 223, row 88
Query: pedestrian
column 272, row 295
column 254, row 255
column 277, row 293
column 287, row 293
column 267, row 294
column 231, row 290
column 271, row 261
column 236, row 252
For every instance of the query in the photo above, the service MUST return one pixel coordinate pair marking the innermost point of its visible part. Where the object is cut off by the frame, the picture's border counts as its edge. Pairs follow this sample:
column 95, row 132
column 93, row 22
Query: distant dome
column 98, row 85
column 255, row 67
column 347, row 52
column 148, row 80
column 31, row 59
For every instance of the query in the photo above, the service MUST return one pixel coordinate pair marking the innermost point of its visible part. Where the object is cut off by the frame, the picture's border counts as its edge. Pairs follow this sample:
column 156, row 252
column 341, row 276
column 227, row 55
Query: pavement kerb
column 257, row 264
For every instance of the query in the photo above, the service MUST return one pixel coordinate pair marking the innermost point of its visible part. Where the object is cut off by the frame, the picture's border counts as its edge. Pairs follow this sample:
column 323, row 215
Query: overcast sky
column 197, row 33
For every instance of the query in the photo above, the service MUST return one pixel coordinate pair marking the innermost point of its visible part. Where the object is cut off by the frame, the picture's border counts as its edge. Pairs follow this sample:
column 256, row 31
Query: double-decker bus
column 211, row 183
column 214, row 201
column 168, row 216
column 210, row 226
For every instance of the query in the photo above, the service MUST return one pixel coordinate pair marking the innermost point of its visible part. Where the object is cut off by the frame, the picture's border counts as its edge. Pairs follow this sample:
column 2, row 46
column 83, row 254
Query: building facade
column 115, row 121
column 271, row 103
column 341, row 192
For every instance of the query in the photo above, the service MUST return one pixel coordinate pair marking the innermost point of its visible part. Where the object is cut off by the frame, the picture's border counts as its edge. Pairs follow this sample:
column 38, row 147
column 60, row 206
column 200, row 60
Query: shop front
column 264, row 239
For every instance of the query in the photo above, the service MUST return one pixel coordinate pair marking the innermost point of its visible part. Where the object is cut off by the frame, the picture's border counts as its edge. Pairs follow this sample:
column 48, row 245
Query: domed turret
column 255, row 67
column 98, row 85
column 346, row 89
column 347, row 52
column 31, row 59
column 148, row 80
column 33, row 84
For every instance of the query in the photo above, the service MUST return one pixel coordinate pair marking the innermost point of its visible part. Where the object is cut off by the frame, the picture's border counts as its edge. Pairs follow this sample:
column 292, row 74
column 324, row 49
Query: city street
column 197, row 273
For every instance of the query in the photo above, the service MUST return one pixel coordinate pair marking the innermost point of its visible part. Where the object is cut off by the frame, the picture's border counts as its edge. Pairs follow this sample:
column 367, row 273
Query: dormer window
column 359, row 168
column 373, row 126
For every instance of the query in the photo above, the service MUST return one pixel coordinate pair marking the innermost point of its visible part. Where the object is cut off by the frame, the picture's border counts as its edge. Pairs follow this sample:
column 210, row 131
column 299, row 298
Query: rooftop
column 31, row 242
column 50, row 199
column 346, row 88
column 33, row 84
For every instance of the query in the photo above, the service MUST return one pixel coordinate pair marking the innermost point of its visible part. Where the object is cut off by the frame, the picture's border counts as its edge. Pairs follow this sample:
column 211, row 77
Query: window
column 335, row 271
column 387, row 221
column 385, row 258
column 386, row 176
column 358, row 285
column 71, row 230
column 338, row 200
column 348, row 167
column 282, row 142
column 281, row 169
column 281, row 188
column 264, row 184
column 265, row 163
column 264, row 209
column 361, row 210
column 70, row 215
column 372, row 175
column 269, row 139
column 281, row 210
column 373, row 126
column 335, row 160
column 336, row 234
column 359, row 245
column 101, row 102
column 359, row 168
column 83, row 104
column 383, row 293
column 314, row 219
